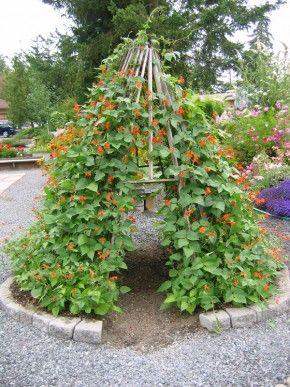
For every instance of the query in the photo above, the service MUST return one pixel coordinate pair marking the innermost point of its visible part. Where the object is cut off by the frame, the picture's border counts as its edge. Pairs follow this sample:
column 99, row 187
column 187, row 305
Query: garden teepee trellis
column 147, row 66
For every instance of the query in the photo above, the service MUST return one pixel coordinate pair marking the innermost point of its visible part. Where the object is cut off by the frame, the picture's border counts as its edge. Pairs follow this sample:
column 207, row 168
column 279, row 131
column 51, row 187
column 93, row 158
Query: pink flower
column 254, row 138
column 258, row 177
column 266, row 109
column 254, row 113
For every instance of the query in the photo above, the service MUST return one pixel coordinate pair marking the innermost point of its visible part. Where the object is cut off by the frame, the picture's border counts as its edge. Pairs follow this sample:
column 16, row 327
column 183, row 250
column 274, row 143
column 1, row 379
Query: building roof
column 3, row 104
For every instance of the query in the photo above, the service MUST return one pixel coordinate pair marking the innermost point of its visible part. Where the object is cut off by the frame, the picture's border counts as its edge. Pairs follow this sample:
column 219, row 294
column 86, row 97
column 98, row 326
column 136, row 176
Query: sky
column 22, row 20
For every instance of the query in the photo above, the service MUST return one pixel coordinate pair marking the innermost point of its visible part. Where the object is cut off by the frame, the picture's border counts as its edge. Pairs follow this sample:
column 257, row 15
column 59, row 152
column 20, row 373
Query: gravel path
column 259, row 356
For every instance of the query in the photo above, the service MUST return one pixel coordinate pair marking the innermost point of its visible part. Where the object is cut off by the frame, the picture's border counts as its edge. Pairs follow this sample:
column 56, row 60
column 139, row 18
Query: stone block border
column 90, row 331
column 75, row 328
column 247, row 316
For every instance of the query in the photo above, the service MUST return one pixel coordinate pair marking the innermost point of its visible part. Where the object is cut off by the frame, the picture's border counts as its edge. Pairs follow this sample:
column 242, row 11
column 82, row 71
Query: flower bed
column 7, row 151
column 276, row 200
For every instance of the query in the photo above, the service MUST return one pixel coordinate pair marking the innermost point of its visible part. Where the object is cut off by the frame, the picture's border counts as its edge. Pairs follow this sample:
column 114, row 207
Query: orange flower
column 165, row 103
column 114, row 278
column 101, row 213
column 132, row 218
column 104, row 255
column 188, row 212
column 136, row 113
column 77, row 108
column 167, row 202
column 181, row 80
column 207, row 191
column 258, row 274
column 71, row 246
column 236, row 282
column 107, row 145
column 107, row 125
column 154, row 122
column 109, row 196
column 135, row 131
column 100, row 150
column 202, row 230
column 215, row 115
column 226, row 217
column 266, row 287
column 180, row 111
column 82, row 199
column 138, row 85
column 162, row 132
column 243, row 274
column 182, row 174
column 232, row 222
column 238, row 258
column 131, row 72
column 207, row 169
column 202, row 142
column 157, row 140
column 211, row 139
column 93, row 103
column 110, row 179
column 88, row 173
column 211, row 234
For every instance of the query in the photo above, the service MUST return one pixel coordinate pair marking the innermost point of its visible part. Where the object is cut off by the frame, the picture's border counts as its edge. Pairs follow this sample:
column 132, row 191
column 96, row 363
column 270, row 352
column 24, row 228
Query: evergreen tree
column 202, row 30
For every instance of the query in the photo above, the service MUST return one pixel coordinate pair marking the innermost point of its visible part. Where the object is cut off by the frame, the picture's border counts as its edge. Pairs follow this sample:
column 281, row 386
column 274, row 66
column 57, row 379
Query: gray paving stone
column 5, row 294
column 5, row 298
column 63, row 327
column 276, row 306
column 241, row 317
column 88, row 331
column 41, row 320
column 215, row 321
column 12, row 309
column 26, row 314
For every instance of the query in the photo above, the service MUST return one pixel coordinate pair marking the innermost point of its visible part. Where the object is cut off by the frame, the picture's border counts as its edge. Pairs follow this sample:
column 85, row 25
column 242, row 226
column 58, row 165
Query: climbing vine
column 72, row 257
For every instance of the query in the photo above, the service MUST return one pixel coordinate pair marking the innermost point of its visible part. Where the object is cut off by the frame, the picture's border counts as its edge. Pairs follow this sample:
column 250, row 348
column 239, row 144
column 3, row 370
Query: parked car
column 7, row 130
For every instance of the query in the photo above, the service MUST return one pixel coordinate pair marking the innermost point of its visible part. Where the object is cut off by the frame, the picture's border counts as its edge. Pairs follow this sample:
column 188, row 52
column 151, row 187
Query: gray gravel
column 259, row 356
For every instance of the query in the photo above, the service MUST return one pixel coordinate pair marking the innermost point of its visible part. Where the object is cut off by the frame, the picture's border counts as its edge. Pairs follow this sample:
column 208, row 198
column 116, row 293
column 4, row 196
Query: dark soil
column 142, row 325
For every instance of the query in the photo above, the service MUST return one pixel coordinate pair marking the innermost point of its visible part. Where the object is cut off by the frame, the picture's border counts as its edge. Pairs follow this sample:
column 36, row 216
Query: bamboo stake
column 128, row 60
column 124, row 58
column 150, row 112
column 140, row 61
column 163, row 83
column 168, row 129
column 181, row 181
column 143, row 72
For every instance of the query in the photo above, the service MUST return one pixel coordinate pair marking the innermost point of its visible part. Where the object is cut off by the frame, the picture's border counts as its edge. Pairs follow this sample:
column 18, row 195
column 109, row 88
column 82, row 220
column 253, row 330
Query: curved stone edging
column 247, row 316
column 89, row 331
column 75, row 328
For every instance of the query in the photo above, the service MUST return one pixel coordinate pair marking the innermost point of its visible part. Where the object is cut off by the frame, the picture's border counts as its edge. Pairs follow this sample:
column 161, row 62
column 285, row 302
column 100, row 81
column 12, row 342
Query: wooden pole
column 143, row 71
column 157, row 78
column 150, row 113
